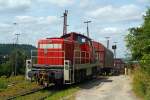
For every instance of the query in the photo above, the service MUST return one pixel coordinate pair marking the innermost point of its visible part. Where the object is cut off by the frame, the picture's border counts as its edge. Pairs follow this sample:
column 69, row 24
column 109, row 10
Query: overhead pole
column 65, row 22
column 17, row 38
column 16, row 62
column 17, row 42
column 107, row 38
column 87, row 28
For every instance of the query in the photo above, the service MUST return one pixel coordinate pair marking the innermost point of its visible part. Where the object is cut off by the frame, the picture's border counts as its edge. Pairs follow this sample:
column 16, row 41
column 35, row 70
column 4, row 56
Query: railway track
column 38, row 94
column 26, row 93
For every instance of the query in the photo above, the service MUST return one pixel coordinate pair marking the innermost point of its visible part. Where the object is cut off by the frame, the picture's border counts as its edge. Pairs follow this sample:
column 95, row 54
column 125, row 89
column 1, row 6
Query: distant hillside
column 6, row 49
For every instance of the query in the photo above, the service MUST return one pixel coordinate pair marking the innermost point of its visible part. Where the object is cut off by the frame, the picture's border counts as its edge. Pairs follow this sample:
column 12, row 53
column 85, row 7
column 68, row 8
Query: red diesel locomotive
column 69, row 59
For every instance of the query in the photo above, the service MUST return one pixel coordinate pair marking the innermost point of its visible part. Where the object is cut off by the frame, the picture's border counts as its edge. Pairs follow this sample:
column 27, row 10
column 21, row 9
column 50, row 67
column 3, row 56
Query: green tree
column 138, row 39
column 6, row 69
column 138, row 42
column 16, row 63
column 17, row 60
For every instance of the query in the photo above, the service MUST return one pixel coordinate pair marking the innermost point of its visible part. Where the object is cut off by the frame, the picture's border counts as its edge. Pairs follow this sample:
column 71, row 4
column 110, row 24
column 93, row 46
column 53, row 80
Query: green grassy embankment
column 14, row 86
column 141, row 84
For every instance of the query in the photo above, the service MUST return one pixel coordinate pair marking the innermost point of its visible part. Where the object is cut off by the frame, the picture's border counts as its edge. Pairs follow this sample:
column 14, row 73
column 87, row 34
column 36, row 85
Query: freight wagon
column 106, row 58
column 119, row 65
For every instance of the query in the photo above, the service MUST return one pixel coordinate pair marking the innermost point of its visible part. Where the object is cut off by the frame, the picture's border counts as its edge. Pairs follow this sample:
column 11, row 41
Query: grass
column 14, row 86
column 35, row 96
column 68, row 94
column 3, row 84
column 141, row 84
column 4, row 81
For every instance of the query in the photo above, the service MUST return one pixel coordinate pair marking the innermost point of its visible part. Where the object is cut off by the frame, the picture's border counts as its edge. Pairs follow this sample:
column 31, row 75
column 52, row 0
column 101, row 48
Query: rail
column 26, row 93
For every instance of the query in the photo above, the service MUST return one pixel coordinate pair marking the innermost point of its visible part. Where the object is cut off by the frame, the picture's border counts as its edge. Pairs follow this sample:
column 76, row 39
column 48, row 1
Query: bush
column 145, row 63
column 6, row 69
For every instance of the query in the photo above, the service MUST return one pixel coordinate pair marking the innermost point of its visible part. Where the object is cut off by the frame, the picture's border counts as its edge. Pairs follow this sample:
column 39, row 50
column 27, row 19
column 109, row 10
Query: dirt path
column 113, row 88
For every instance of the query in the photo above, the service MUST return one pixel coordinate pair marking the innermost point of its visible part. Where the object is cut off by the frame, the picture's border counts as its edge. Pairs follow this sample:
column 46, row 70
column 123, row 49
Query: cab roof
column 75, row 34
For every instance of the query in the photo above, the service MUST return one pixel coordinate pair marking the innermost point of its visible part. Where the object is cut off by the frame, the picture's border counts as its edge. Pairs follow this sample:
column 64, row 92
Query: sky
column 38, row 19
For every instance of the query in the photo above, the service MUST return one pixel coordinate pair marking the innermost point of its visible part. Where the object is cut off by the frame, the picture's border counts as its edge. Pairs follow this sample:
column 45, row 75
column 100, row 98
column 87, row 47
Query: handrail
column 81, row 58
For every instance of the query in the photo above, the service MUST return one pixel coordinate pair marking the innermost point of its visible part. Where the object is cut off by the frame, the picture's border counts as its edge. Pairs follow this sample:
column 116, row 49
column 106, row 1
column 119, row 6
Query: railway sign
column 114, row 47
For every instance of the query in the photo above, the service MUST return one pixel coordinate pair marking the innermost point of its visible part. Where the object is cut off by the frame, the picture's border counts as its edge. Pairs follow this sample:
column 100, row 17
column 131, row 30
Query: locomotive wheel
column 59, row 84
column 41, row 82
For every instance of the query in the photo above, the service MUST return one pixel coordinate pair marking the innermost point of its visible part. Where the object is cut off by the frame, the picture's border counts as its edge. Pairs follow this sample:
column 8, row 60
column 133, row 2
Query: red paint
column 70, row 46
column 51, row 56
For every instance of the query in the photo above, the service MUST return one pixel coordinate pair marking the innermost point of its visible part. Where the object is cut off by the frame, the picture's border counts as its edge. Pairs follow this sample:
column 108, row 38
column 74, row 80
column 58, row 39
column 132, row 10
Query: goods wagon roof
column 100, row 47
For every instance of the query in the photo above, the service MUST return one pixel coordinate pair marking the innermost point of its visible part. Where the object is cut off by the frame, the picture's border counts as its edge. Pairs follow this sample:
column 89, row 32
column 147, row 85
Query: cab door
column 67, row 72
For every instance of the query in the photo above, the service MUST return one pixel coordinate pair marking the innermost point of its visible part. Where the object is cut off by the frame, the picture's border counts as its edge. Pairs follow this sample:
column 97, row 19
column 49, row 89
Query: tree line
column 13, row 57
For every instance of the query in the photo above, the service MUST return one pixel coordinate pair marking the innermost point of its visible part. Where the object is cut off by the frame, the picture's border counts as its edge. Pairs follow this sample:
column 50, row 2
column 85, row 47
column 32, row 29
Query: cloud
column 37, row 25
column 32, row 28
column 111, row 30
column 85, row 3
column 60, row 3
column 5, row 28
column 116, row 34
column 122, row 13
column 36, row 20
column 11, row 6
column 143, row 1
